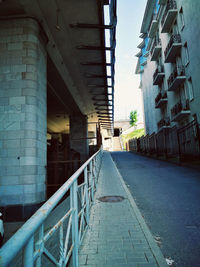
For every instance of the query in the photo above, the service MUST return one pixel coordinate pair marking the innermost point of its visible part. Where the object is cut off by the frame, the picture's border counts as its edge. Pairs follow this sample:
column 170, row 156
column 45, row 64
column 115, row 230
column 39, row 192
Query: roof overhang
column 76, row 46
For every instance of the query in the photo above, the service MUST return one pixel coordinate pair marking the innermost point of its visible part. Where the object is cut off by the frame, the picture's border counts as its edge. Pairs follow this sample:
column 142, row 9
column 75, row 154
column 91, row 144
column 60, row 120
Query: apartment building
column 169, row 64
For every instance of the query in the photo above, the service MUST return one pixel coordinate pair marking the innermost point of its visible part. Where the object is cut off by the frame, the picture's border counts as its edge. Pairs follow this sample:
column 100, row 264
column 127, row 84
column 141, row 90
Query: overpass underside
column 56, row 95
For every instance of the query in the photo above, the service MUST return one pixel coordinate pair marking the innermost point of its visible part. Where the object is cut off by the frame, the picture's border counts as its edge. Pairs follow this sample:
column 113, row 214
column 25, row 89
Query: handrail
column 159, row 69
column 171, row 4
column 177, row 71
column 164, row 122
column 157, row 42
column 161, row 95
column 180, row 106
column 175, row 38
column 25, row 235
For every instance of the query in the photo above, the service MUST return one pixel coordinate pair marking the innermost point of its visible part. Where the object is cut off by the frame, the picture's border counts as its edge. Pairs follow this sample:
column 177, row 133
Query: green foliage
column 134, row 134
column 133, row 117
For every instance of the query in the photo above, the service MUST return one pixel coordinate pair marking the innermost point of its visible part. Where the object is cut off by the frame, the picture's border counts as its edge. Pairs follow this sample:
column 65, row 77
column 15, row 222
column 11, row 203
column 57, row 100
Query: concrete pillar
column 22, row 118
column 79, row 135
column 99, row 136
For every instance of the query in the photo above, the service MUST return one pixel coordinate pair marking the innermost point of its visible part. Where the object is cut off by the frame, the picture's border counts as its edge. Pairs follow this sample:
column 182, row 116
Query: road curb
column 150, row 240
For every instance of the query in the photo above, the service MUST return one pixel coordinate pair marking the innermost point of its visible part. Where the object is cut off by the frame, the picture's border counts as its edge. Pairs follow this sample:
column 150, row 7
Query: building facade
column 168, row 63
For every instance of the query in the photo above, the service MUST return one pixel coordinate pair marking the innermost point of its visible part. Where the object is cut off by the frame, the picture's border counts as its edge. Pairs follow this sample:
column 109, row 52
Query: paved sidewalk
column 117, row 235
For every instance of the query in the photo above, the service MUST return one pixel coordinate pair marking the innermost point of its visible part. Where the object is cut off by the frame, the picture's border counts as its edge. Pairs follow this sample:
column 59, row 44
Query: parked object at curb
column 169, row 261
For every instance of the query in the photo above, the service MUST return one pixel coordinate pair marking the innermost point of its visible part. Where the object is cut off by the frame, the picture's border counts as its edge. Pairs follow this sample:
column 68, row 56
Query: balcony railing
column 173, row 48
column 180, row 110
column 162, row 2
column 160, row 99
column 169, row 16
column 158, row 75
column 156, row 49
column 177, row 78
column 154, row 26
column 165, row 122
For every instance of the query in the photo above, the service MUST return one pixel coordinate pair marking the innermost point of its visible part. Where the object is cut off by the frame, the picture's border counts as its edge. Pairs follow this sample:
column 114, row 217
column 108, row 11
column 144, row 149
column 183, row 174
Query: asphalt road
column 168, row 197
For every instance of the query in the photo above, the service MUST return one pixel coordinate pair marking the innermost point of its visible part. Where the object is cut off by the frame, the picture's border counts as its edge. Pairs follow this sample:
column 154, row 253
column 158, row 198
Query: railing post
column 91, row 180
column 156, row 144
column 94, row 174
column 61, row 236
column 28, row 253
column 198, row 134
column 86, row 194
column 95, row 170
column 179, row 144
column 39, row 245
column 165, row 143
column 75, row 234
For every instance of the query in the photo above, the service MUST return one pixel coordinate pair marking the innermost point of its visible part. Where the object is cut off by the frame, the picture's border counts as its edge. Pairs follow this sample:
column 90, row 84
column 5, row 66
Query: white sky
column 127, row 93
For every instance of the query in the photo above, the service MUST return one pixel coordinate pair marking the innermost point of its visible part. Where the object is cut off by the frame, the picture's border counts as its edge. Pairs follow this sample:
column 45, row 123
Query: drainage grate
column 111, row 199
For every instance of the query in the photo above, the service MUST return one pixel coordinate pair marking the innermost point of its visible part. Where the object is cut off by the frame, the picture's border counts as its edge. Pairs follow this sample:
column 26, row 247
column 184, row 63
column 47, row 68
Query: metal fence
column 170, row 142
column 152, row 143
column 29, row 244
column 160, row 143
column 189, row 139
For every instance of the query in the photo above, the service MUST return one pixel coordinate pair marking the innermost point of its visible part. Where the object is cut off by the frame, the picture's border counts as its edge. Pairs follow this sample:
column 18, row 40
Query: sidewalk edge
column 152, row 244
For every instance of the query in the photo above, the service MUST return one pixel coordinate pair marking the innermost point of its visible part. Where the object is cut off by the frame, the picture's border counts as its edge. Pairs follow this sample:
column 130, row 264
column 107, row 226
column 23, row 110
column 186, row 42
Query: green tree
column 133, row 117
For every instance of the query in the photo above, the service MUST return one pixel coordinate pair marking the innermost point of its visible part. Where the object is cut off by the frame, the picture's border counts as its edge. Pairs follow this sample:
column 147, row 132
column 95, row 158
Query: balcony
column 162, row 2
column 158, row 75
column 154, row 26
column 173, row 48
column 161, row 100
column 169, row 16
column 144, row 62
column 163, row 124
column 176, row 79
column 156, row 49
column 180, row 111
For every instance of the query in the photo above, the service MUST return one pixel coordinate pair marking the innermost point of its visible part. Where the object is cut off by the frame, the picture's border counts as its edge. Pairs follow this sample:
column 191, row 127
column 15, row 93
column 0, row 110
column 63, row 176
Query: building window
column 190, row 89
column 186, row 54
column 182, row 19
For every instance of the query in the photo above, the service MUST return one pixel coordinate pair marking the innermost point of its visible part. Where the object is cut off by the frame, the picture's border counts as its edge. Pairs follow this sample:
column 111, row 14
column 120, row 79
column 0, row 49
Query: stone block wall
column 22, row 116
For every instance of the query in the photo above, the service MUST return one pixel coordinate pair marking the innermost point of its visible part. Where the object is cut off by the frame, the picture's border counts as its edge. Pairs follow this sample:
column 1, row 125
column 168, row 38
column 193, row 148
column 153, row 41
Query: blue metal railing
column 31, row 238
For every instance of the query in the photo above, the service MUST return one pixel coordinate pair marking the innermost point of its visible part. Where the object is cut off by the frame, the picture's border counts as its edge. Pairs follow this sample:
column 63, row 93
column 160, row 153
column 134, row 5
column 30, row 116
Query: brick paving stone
column 115, row 236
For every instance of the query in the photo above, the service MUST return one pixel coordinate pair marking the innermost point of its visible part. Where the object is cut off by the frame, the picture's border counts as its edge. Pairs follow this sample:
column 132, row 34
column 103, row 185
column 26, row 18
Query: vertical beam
column 86, row 194
column 79, row 135
column 28, row 253
column 55, row 152
column 75, row 233
column 65, row 143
